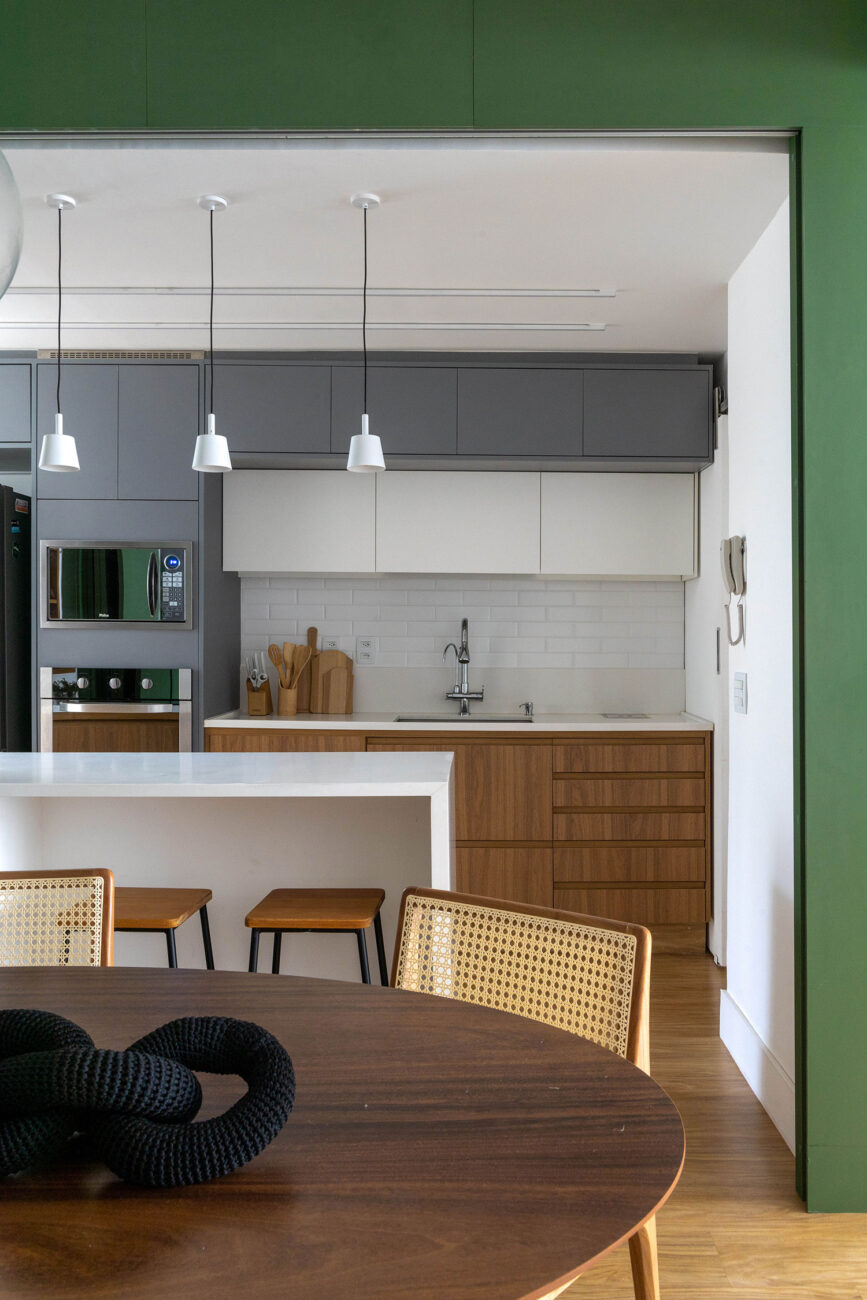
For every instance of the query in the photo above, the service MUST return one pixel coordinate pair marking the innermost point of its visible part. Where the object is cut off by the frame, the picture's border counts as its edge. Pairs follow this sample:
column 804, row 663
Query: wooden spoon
column 300, row 660
column 276, row 657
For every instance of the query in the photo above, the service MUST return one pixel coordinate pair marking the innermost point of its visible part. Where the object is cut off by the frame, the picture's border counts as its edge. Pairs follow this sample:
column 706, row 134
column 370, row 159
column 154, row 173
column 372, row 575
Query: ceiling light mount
column 212, row 202
column 60, row 201
column 365, row 201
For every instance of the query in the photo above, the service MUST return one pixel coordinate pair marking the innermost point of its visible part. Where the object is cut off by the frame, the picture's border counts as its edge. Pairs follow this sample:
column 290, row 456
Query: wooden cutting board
column 331, row 683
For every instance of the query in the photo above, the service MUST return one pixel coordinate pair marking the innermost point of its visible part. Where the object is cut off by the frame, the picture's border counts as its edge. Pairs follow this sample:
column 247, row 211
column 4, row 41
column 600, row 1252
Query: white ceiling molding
column 298, row 291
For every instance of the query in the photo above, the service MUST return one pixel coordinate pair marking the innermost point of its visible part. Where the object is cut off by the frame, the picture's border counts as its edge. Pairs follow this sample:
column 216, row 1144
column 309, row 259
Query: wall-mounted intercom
column 732, row 553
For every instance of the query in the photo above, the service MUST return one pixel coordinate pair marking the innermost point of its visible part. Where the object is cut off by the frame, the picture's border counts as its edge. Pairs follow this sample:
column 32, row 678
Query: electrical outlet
column 328, row 643
column 366, row 648
column 740, row 693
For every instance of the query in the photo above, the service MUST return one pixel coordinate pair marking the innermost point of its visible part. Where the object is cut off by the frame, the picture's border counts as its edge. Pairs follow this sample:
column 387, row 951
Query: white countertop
column 219, row 775
column 541, row 722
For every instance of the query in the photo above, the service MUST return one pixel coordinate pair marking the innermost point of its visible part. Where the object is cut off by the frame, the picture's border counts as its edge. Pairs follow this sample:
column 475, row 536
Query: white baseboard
column 771, row 1083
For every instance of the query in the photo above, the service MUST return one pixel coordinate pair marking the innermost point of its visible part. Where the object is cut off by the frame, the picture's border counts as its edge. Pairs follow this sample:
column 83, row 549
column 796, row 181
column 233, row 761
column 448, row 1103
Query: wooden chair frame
column 642, row 1244
column 106, row 939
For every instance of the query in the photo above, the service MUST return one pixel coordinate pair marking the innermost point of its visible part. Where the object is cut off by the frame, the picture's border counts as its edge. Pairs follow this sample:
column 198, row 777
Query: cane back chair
column 57, row 918
column 583, row 974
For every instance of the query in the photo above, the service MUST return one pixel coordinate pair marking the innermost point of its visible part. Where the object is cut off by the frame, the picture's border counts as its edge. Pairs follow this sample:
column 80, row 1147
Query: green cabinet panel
column 310, row 63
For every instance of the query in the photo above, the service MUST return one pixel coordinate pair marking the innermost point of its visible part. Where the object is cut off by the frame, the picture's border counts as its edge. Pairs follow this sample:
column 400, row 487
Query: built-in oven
column 83, row 584
column 115, row 710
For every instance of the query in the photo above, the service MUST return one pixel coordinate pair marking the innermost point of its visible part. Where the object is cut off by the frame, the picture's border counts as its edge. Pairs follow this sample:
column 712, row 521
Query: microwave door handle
column 59, row 583
column 152, row 584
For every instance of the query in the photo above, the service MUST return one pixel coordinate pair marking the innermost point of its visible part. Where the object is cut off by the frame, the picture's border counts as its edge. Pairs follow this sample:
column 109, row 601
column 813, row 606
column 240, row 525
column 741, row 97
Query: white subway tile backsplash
column 514, row 622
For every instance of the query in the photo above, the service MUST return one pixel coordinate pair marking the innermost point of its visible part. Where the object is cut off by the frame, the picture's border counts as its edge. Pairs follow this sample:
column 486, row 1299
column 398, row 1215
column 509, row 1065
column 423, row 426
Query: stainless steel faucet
column 462, row 690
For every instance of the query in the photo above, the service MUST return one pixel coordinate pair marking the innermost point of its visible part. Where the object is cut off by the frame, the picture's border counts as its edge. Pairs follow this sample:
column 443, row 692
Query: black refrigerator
column 15, row 705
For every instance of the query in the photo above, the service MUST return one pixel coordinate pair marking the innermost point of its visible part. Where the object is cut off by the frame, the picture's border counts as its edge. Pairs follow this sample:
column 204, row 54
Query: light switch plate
column 739, row 693
column 366, row 648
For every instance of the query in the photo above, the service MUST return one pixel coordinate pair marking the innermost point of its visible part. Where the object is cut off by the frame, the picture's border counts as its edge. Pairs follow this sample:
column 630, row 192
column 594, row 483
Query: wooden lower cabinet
column 522, row 875
column 618, row 826
column 234, row 740
column 502, row 791
column 114, row 733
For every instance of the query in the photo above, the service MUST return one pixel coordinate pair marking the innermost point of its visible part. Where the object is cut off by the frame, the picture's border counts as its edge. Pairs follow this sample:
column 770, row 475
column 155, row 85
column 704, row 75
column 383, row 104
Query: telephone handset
column 731, row 553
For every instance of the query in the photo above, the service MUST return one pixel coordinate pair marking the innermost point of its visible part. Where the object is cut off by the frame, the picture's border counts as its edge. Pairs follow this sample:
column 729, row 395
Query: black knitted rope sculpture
column 136, row 1107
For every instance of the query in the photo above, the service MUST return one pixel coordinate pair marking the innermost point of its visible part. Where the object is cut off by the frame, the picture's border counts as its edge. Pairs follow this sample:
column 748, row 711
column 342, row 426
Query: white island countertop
column 324, row 776
column 541, row 722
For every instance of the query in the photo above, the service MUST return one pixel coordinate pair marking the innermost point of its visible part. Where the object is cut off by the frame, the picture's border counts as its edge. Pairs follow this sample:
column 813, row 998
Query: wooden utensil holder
column 287, row 701
column 259, row 703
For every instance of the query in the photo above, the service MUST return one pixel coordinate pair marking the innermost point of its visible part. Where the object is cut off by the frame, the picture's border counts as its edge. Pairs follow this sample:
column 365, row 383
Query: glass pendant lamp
column 212, row 450
column 58, row 453
column 365, row 449
column 10, row 225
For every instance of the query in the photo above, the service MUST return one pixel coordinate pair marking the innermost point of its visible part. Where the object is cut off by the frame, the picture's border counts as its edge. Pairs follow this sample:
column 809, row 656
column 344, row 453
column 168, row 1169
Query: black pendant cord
column 211, row 408
column 364, row 311
column 59, row 295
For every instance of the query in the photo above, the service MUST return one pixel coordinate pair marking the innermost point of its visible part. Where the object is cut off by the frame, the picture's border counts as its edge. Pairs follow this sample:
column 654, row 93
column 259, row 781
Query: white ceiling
column 522, row 224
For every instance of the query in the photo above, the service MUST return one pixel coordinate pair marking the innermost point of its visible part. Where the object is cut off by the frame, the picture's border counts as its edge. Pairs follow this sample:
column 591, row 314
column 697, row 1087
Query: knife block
column 259, row 701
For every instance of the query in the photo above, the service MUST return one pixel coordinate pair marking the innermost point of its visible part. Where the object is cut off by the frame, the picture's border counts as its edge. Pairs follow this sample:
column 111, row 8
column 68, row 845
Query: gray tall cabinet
column 135, row 424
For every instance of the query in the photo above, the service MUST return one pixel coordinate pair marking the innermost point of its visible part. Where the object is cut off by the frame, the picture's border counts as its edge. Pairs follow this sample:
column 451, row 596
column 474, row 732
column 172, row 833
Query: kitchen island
column 240, row 825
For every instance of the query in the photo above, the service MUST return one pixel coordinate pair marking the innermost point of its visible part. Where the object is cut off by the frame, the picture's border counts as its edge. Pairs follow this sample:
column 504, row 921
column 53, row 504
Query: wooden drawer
column 632, row 756
column 233, row 740
column 617, row 864
column 630, row 792
column 522, row 875
column 659, row 906
column 630, row 826
column 502, row 792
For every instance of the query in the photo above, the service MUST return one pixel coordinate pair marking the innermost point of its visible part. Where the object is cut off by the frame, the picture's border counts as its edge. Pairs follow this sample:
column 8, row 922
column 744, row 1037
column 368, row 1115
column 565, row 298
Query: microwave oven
column 85, row 584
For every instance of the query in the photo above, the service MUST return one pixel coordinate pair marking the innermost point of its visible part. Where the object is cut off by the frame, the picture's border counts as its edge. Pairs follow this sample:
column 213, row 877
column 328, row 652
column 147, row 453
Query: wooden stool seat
column 156, row 909
column 316, row 909
column 139, row 909
column 328, row 911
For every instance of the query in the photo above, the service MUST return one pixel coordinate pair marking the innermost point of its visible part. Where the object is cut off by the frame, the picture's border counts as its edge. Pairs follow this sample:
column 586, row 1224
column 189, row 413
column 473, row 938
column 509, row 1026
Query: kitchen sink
column 505, row 718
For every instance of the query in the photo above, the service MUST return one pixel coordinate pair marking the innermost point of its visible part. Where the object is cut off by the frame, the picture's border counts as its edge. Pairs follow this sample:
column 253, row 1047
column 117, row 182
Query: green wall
column 159, row 65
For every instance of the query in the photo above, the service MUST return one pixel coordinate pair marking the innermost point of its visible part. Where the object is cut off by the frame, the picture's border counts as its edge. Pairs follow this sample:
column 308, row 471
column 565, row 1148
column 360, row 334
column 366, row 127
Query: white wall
column 707, row 691
column 757, row 1009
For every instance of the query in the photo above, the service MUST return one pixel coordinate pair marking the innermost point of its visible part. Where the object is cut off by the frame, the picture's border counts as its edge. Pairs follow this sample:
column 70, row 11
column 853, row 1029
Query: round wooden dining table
column 436, row 1150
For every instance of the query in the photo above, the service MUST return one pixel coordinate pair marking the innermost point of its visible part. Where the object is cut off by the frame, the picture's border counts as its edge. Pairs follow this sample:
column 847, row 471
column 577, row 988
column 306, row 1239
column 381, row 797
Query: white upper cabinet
column 618, row 525
column 457, row 522
column 299, row 521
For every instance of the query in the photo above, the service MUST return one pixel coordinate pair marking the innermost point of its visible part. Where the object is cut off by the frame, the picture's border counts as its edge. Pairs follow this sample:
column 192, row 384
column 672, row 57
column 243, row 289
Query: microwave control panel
column 172, row 587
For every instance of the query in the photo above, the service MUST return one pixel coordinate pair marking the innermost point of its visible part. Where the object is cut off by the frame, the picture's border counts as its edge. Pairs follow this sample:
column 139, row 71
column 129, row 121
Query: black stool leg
column 380, row 950
column 254, row 949
column 362, row 956
column 172, row 949
column 275, row 958
column 206, row 937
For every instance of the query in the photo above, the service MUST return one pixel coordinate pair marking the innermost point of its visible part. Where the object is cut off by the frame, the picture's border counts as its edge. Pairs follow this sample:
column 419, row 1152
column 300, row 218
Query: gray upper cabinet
column 519, row 412
column 648, row 414
column 158, row 419
column 89, row 402
column 15, row 403
column 413, row 409
column 277, row 407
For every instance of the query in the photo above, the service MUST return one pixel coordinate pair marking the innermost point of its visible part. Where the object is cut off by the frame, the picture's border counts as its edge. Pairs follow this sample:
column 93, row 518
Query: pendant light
column 212, row 450
column 58, row 453
column 10, row 225
column 365, row 449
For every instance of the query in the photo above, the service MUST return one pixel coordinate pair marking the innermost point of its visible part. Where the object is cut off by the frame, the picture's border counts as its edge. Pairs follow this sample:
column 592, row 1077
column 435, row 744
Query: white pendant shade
column 365, row 452
column 212, row 451
column 58, row 452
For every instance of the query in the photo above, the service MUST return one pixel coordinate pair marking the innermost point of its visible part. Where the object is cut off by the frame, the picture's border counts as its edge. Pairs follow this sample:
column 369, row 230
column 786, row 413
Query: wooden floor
column 734, row 1226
